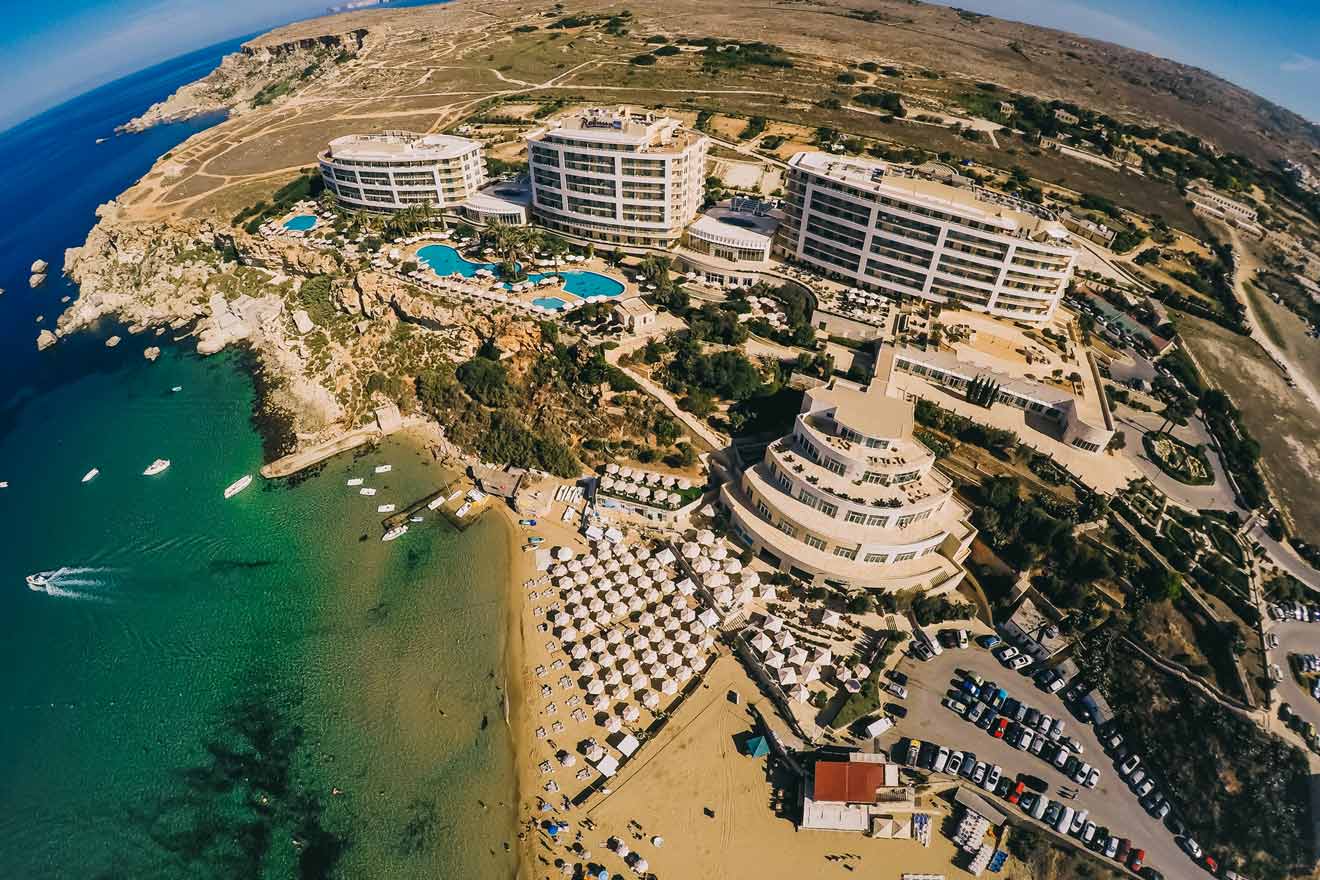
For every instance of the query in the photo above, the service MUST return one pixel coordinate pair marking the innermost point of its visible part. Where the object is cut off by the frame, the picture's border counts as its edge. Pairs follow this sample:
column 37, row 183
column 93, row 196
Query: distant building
column 1065, row 117
column 730, row 243
column 898, row 230
column 1006, row 109
column 616, row 176
column 850, row 498
column 397, row 170
column 1089, row 229
column 1218, row 205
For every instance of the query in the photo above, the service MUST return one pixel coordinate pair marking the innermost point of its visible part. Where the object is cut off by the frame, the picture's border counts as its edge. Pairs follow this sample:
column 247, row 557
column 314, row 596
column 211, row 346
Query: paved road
column 1286, row 558
column 1218, row 495
column 1111, row 803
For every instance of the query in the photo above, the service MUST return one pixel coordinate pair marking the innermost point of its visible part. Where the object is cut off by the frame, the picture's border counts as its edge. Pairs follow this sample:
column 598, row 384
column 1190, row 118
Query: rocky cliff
column 252, row 77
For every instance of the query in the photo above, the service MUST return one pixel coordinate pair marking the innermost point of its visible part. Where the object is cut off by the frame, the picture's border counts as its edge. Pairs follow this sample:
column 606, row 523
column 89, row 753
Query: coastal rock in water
column 112, row 342
column 37, row 280
column 39, row 267
column 151, row 353
column 45, row 339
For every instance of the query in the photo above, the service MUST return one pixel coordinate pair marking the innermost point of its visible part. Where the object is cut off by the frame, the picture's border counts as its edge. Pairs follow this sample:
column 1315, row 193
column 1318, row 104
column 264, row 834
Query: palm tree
column 556, row 247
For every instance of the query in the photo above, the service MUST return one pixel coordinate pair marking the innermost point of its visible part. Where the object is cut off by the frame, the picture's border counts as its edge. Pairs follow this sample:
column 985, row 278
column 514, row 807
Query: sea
column 209, row 688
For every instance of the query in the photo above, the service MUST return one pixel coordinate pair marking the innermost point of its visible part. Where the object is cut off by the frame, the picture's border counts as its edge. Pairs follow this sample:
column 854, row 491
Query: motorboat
column 90, row 475
column 435, row 502
column 384, row 468
column 527, row 522
column 355, row 481
column 394, row 533
column 176, row 389
column 238, row 485
column 37, row 581
column 535, row 539
column 385, row 508
column 464, row 510
column 366, row 490
column 156, row 467
column 415, row 519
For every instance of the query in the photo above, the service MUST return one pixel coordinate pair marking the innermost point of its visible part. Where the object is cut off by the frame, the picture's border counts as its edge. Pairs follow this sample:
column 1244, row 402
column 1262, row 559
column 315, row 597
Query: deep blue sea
column 255, row 687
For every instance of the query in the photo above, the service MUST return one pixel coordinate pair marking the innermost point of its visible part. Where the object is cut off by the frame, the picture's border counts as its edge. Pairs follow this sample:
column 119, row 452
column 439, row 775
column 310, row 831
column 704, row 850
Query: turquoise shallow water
column 300, row 223
column 445, row 260
column 190, row 694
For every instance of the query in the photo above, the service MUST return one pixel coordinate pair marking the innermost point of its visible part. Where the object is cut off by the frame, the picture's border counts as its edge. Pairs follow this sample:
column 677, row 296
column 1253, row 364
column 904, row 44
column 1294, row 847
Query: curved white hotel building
column 852, row 499
column 617, row 177
column 899, row 230
column 396, row 169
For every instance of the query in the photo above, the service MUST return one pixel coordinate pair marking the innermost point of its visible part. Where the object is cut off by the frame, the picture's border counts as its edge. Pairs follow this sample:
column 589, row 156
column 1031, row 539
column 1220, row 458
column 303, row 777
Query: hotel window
column 845, row 552
column 807, row 498
column 874, row 477
column 877, row 557
column 855, row 517
column 813, row 541
column 876, row 444
column 787, row 528
column 830, row 510
column 876, row 519
column 906, row 520
column 834, row 465
column 904, row 557
column 762, row 508
column 784, row 482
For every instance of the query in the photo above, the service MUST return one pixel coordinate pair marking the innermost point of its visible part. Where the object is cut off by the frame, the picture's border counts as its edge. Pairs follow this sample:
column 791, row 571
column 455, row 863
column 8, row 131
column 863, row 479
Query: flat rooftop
column 867, row 412
column 400, row 145
column 920, row 185
column 646, row 132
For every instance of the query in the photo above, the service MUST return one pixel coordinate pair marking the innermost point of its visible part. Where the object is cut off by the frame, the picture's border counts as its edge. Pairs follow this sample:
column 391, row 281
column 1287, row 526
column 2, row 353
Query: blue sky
column 55, row 50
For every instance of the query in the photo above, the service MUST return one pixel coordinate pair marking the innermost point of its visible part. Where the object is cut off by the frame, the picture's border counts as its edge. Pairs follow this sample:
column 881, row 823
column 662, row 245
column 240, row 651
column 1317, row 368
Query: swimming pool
column 300, row 223
column 445, row 260
column 549, row 303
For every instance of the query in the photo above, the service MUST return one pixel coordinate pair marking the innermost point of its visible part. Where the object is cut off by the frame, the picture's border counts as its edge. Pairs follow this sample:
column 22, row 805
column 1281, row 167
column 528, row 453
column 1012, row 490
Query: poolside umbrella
column 691, row 550
column 705, row 537
column 588, row 667
column 666, row 556
column 801, row 694
column 822, row 656
column 798, row 656
column 724, row 596
column 613, row 724
column 788, row 676
column 630, row 713
column 829, row 618
column 761, row 642
column 852, row 685
column 563, row 554
column 708, row 617
column 749, row 578
column 719, row 553
column 785, row 640
column 774, row 660
column 772, row 624
column 611, row 468
column 732, row 566
column 596, row 686
column 650, row 699
column 669, row 686
column 811, row 673
column 861, row 670
column 626, row 472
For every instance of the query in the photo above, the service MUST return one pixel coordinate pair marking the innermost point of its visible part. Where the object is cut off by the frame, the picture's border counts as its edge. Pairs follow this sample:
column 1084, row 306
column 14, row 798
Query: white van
column 1065, row 821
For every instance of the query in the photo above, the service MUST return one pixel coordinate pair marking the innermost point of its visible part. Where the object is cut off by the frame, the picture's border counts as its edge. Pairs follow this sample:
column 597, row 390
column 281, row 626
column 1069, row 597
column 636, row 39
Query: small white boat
column 156, row 467
column 90, row 475
column 385, row 508
column 455, row 495
column 476, row 496
column 463, row 511
column 4, row 484
column 394, row 533
column 176, row 389
column 238, row 485
column 415, row 519
column 37, row 581
column 384, row 468
column 366, row 490
column 356, row 481
column 435, row 502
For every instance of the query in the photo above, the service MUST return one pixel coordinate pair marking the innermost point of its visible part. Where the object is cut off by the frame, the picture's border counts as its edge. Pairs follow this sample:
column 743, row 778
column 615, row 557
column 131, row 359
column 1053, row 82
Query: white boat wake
column 56, row 583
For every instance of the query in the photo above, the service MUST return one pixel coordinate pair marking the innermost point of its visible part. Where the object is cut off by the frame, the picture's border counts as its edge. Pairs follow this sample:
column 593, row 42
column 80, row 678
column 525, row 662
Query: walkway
column 696, row 426
column 1218, row 495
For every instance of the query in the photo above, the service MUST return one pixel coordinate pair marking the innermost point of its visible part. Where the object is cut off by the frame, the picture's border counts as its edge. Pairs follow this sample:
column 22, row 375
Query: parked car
column 1043, row 724
column 1136, row 859
column 897, row 690
column 1025, row 739
column 1126, row 768
column 1124, row 849
column 962, row 638
column 941, row 760
column 1113, row 741
column 1079, row 821
column 1019, row 663
column 1061, row 756
column 1080, row 774
column 1191, row 847
column 898, row 710
column 999, row 728
column 897, row 677
column 954, row 767
column 1145, row 788
column 1092, row 778
column 956, row 706
column 978, row 772
column 975, row 711
column 1138, row 776
column 992, row 776
column 1037, row 745
column 1111, row 847
column 913, row 752
column 1006, row 653
column 1015, row 793
column 1032, row 718
column 1088, row 833
column 968, row 765
column 988, row 719
column 1055, row 686
column 988, row 642
column 926, row 756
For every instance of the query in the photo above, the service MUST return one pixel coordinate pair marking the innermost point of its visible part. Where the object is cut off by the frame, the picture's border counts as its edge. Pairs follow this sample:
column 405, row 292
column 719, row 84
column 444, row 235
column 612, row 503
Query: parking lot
column 1295, row 637
column 1111, row 803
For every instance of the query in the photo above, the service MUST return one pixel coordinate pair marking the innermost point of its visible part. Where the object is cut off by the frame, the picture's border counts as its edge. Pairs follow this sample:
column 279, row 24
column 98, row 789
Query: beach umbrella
column 630, row 713
column 569, row 634
column 621, row 692
column 690, row 651
column 563, row 618
column 705, row 537
column 708, row 617
column 811, row 673
column 697, row 628
column 707, row 641
column 669, row 686
column 623, row 650
column 632, row 667
column 649, row 657
column 613, row 724
column 852, row 685
column 801, row 694
column 749, row 578
column 636, row 603
column 719, row 553
column 627, row 591
column 673, row 661
column 611, row 468
column 595, row 752
column 651, row 699
column 596, row 686
column 686, row 587
column 684, row 674
column 615, row 637
column 579, row 651
column 573, row 596
column 647, row 619
column 635, row 570
column 788, row 676
column 701, row 565
column 641, row 866
column 797, row 656
column 785, row 640
column 587, row 627
column 652, row 566
column 732, row 566
column 626, row 472
column 829, row 618
column 716, row 579
column 589, row 560
column 580, row 578
column 774, row 660
column 588, row 667
column 772, row 624
column 687, row 615
column 575, row 565
column 645, row 583
column 666, row 556
column 563, row 554
column 559, row 570
column 567, row 759
column 613, row 678
column 597, row 606
column 691, row 550
column 724, row 596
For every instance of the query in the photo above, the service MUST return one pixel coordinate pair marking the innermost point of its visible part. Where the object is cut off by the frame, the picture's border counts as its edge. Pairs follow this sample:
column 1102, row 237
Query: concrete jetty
column 387, row 422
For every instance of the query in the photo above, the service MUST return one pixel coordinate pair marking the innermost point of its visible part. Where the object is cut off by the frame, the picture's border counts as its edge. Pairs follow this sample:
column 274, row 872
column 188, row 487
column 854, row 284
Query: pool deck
column 490, row 289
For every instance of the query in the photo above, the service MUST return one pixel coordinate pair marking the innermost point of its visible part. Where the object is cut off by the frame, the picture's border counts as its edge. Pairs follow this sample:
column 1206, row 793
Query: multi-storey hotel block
column 395, row 170
column 852, row 499
column 617, row 177
column 899, row 230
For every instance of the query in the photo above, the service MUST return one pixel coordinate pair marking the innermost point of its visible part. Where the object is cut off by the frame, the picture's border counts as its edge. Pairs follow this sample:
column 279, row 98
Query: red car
column 1211, row 865
column 1135, row 859
column 1016, row 794
column 1000, row 726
